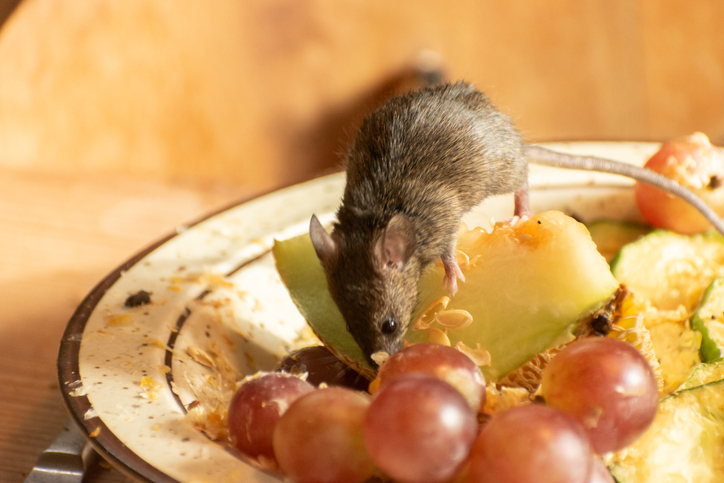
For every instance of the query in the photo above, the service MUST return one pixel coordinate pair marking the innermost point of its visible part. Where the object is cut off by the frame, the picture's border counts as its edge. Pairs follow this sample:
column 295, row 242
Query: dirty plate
column 154, row 350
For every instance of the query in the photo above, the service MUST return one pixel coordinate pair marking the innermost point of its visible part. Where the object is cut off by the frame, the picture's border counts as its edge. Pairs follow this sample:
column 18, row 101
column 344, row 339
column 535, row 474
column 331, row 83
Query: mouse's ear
column 397, row 244
column 322, row 241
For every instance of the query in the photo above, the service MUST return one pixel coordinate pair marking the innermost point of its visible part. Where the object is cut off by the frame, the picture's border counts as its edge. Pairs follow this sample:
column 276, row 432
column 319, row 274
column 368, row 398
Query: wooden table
column 59, row 235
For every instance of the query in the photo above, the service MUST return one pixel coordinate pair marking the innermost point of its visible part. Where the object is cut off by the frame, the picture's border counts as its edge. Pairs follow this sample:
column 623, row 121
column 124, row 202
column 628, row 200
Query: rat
column 416, row 166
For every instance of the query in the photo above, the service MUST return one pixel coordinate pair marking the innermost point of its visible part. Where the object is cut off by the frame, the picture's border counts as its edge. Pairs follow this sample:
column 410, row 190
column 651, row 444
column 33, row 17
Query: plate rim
column 109, row 446
column 106, row 443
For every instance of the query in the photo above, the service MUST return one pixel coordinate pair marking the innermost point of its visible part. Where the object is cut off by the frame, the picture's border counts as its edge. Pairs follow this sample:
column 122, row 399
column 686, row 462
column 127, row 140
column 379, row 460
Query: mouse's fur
column 416, row 166
column 427, row 157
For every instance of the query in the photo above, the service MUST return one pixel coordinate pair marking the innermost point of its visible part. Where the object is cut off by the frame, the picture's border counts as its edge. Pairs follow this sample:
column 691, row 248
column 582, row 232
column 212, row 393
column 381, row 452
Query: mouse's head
column 372, row 277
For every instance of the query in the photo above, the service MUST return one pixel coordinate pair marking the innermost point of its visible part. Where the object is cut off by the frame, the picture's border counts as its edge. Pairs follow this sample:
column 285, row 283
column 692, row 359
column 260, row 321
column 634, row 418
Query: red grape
column 531, row 444
column 419, row 429
column 320, row 439
column 322, row 366
column 442, row 362
column 607, row 386
column 257, row 406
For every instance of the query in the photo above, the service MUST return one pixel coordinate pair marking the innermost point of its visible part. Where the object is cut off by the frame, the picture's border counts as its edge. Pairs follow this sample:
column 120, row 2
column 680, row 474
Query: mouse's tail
column 546, row 157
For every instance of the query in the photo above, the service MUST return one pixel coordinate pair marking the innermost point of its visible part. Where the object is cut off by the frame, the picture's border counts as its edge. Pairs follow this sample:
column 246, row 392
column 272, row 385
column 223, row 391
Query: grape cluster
column 421, row 424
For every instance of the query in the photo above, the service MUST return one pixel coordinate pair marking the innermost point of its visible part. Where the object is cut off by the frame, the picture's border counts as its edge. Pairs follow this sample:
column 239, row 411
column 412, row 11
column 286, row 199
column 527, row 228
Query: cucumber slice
column 709, row 320
column 668, row 269
column 667, row 274
column 526, row 288
column 685, row 443
column 611, row 235
column 705, row 373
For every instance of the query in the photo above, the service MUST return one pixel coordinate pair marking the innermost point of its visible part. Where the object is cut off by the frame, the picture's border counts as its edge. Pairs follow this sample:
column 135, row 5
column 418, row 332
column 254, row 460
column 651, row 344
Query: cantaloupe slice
column 526, row 288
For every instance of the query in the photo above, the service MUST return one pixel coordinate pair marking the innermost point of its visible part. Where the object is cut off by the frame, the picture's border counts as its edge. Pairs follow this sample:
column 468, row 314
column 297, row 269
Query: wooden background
column 266, row 92
column 121, row 119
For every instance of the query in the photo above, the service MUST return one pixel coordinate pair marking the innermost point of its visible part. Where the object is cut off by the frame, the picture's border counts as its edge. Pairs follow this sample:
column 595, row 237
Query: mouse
column 417, row 164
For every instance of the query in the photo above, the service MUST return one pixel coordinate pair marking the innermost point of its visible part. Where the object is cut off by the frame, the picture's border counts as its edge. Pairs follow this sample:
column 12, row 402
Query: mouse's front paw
column 452, row 274
column 515, row 220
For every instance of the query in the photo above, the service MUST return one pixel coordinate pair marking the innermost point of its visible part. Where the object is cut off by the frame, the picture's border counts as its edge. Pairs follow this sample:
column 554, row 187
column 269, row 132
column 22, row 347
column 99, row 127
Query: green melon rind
column 301, row 272
column 712, row 305
column 684, row 443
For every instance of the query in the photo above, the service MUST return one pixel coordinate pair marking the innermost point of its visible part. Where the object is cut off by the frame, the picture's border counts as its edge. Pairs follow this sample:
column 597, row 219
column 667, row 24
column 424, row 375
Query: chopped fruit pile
column 525, row 291
column 548, row 364
column 425, row 421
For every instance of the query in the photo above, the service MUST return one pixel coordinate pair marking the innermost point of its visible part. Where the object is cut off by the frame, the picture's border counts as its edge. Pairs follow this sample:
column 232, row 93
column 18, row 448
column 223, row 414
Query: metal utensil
column 66, row 459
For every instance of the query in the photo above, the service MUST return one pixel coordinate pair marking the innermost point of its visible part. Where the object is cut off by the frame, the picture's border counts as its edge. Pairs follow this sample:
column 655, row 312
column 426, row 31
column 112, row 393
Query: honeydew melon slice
column 526, row 288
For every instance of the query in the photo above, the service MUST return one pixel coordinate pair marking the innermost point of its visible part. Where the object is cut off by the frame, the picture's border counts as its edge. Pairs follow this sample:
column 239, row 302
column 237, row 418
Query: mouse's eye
column 389, row 326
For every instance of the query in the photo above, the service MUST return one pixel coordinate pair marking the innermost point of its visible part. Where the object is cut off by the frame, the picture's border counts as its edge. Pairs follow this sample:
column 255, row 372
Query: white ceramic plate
column 218, row 311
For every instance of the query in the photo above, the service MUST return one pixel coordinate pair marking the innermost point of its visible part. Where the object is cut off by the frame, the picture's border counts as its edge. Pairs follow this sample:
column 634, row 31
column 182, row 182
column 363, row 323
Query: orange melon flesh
column 526, row 288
